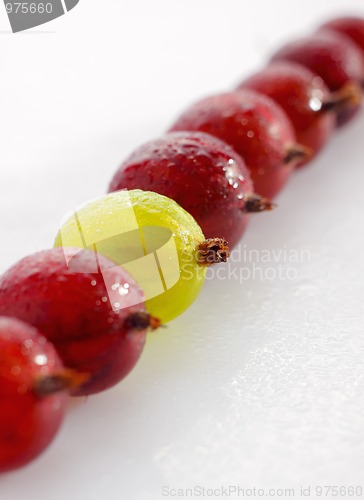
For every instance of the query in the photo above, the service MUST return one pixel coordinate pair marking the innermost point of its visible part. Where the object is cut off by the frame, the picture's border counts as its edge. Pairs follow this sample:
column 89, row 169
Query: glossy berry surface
column 255, row 126
column 302, row 95
column 332, row 56
column 152, row 237
column 201, row 173
column 28, row 420
column 353, row 27
column 74, row 306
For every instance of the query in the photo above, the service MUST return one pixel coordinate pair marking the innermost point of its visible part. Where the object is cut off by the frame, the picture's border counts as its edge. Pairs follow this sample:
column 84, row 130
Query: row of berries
column 52, row 343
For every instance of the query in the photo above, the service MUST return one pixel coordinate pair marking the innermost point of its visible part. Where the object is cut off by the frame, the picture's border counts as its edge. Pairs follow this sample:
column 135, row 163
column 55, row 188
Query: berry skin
column 70, row 305
column 31, row 412
column 352, row 27
column 256, row 127
column 302, row 95
column 335, row 58
column 201, row 173
column 158, row 242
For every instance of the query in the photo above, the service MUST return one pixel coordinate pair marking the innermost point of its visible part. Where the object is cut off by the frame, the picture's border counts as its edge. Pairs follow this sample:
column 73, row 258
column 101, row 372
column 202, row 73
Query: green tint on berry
column 158, row 242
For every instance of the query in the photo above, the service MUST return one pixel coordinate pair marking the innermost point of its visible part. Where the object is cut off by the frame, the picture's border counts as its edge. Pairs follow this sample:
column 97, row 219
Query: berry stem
column 256, row 203
column 212, row 251
column 349, row 96
column 61, row 381
column 141, row 321
column 297, row 154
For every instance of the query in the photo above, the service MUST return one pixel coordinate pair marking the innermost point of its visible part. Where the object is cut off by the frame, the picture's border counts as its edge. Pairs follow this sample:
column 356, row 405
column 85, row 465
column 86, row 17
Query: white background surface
column 260, row 383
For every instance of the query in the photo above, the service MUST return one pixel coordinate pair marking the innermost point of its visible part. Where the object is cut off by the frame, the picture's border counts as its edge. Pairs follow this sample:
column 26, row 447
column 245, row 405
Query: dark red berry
column 353, row 27
column 256, row 127
column 91, row 317
column 302, row 95
column 31, row 413
column 200, row 172
column 332, row 56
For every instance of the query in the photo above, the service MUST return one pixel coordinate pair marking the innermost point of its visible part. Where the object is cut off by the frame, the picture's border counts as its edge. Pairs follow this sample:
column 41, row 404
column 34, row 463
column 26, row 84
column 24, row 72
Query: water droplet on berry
column 41, row 359
column 15, row 370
